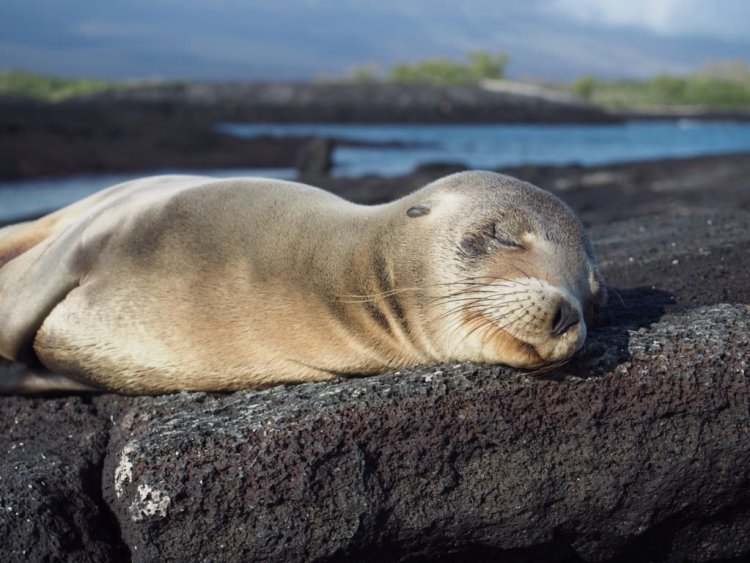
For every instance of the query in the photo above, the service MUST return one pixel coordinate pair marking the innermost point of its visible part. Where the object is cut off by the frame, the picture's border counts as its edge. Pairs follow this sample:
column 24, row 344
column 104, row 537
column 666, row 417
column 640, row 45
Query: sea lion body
column 187, row 282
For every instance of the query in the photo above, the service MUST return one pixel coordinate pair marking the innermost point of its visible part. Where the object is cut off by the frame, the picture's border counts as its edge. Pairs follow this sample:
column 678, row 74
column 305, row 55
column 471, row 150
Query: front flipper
column 20, row 379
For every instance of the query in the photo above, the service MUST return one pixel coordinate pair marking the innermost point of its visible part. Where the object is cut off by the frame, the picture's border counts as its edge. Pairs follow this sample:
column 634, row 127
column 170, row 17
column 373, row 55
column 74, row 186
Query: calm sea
column 493, row 146
column 478, row 146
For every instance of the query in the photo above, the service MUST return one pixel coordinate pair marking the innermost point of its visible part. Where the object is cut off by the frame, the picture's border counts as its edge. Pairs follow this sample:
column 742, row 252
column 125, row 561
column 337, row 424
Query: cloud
column 655, row 15
column 727, row 20
column 297, row 39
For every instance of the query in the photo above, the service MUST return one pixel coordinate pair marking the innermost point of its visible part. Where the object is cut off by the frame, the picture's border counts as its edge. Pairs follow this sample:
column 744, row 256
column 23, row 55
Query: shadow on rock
column 557, row 551
column 607, row 343
column 634, row 308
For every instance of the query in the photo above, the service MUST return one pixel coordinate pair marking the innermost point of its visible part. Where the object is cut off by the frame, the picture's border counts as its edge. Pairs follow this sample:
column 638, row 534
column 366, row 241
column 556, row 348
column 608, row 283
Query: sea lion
column 191, row 283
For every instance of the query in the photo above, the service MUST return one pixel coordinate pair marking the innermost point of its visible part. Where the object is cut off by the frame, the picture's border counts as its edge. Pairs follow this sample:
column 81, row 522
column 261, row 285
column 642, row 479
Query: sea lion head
column 521, row 283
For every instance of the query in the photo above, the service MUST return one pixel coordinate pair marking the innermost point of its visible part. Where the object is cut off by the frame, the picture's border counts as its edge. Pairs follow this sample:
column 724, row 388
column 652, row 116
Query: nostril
column 565, row 317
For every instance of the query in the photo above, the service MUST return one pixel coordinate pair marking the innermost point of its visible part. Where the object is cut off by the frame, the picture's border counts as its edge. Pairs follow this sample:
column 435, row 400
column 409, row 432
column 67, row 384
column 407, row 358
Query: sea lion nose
column 566, row 316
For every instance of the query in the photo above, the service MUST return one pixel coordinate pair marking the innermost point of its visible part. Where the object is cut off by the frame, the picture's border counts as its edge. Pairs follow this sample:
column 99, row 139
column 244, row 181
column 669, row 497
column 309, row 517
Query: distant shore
column 173, row 126
column 667, row 113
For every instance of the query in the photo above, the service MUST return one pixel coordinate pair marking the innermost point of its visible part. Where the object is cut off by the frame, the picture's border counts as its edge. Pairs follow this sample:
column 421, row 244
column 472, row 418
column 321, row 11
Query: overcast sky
column 299, row 39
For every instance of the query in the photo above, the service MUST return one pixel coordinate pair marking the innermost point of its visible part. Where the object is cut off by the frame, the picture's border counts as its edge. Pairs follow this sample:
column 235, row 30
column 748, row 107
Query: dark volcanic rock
column 349, row 103
column 635, row 450
column 603, row 194
column 45, row 139
column 314, row 160
column 449, row 459
column 51, row 506
column 698, row 258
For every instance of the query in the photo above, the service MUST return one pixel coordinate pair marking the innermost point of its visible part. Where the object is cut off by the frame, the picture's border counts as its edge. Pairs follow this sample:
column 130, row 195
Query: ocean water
column 28, row 198
column 477, row 146
column 494, row 146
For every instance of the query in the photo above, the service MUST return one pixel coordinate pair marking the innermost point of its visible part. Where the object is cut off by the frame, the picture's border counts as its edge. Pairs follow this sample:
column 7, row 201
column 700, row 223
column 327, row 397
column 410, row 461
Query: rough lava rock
column 449, row 459
column 636, row 449
column 51, row 505
column 339, row 102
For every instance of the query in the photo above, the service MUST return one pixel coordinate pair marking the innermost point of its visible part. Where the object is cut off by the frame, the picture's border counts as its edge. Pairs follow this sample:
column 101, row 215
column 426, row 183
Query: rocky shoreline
column 173, row 126
column 637, row 449
column 347, row 102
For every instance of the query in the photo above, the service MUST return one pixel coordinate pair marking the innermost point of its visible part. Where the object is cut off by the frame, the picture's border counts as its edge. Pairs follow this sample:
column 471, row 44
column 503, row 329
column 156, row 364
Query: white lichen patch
column 430, row 377
column 150, row 503
column 124, row 470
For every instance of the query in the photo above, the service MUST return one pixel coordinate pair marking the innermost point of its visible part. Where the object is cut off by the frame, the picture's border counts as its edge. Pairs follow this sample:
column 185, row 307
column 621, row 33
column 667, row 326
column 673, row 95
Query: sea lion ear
column 420, row 209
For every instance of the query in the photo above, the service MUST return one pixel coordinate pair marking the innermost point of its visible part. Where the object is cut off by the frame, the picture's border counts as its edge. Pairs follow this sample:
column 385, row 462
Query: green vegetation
column 723, row 85
column 363, row 73
column 447, row 72
column 49, row 88
column 481, row 64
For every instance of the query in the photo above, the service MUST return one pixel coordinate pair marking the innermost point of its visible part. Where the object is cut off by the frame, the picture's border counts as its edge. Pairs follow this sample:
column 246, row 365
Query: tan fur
column 184, row 282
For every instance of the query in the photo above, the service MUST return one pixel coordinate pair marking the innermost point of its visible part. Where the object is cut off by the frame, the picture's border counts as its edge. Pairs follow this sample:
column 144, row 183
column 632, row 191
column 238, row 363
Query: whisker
column 546, row 368
column 482, row 306
column 617, row 293
column 486, row 305
column 494, row 278
column 487, row 321
column 471, row 281
column 354, row 298
column 476, row 293
column 510, row 298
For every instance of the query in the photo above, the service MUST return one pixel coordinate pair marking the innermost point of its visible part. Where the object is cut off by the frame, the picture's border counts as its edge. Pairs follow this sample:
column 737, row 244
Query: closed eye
column 487, row 240
column 509, row 243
